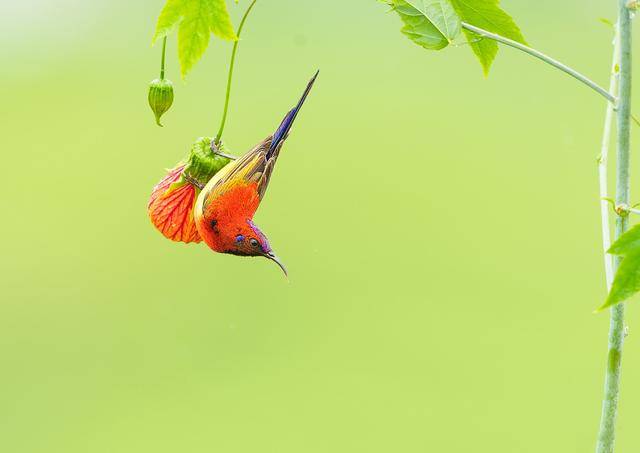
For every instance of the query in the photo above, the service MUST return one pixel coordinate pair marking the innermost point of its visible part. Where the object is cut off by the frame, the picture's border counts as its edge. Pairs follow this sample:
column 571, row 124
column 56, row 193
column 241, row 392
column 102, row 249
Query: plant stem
column 606, row 435
column 230, row 76
column 164, row 51
column 547, row 59
column 603, row 164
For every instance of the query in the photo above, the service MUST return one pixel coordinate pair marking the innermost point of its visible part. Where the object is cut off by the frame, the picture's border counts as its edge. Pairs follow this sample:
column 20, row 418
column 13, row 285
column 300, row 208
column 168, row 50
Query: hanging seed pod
column 160, row 97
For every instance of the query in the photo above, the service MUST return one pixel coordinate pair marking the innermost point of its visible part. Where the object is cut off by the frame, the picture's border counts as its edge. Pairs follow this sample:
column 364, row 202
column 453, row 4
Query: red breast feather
column 226, row 216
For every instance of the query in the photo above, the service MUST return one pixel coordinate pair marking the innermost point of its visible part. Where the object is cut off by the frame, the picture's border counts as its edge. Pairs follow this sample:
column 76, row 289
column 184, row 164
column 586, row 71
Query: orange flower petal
column 171, row 212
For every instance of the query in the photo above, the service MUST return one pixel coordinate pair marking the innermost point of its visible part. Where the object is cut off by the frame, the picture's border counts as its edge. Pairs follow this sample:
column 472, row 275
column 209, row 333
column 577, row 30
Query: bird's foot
column 215, row 149
column 193, row 181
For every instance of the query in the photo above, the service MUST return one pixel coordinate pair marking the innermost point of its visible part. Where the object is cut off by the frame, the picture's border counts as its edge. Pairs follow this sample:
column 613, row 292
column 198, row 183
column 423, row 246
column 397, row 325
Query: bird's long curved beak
column 276, row 260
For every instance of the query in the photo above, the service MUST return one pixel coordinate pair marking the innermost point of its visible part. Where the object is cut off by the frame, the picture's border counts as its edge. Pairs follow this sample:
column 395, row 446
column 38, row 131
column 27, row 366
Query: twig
column 216, row 140
column 547, row 59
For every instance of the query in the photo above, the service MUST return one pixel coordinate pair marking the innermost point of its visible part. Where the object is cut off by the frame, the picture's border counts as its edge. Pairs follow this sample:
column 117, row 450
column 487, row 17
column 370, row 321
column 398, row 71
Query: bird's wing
column 257, row 165
column 253, row 167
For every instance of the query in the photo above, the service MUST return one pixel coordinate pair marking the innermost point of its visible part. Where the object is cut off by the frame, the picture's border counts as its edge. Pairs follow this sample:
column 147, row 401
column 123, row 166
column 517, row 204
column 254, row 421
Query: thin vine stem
column 541, row 56
column 230, row 76
column 603, row 162
column 164, row 51
column 607, row 432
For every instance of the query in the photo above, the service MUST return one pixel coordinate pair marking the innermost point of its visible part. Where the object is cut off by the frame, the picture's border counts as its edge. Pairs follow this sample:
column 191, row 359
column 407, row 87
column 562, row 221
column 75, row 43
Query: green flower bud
column 160, row 97
column 202, row 163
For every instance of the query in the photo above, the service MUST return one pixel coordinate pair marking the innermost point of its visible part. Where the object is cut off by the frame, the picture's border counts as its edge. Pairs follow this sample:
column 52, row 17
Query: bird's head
column 244, row 238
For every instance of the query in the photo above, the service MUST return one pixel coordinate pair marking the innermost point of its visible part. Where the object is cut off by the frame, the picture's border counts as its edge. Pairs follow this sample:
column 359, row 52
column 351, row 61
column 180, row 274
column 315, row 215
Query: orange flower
column 173, row 198
column 171, row 207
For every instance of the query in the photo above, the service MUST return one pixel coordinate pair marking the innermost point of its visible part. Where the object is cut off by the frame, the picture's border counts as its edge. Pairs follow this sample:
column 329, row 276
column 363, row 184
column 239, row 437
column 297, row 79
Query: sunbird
column 226, row 205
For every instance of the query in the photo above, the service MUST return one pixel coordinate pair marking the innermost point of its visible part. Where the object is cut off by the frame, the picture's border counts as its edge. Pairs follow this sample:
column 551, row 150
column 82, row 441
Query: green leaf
column 441, row 14
column 169, row 19
column 433, row 24
column 626, row 282
column 195, row 20
column 488, row 15
column 418, row 27
column 628, row 243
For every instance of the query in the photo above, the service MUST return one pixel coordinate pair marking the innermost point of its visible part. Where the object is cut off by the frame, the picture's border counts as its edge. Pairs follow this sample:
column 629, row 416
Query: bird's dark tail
column 284, row 128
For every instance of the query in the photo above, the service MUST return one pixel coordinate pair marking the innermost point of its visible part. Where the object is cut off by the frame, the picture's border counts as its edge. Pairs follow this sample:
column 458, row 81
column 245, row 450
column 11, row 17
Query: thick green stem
column 164, row 51
column 539, row 55
column 230, row 76
column 606, row 435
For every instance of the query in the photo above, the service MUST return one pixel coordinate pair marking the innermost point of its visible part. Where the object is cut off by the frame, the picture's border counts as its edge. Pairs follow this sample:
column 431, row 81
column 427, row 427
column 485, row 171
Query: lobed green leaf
column 195, row 20
column 441, row 14
column 488, row 15
column 418, row 28
column 170, row 17
column 434, row 24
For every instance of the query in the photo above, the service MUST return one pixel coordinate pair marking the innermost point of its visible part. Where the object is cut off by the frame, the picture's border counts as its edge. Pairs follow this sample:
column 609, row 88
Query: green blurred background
column 441, row 232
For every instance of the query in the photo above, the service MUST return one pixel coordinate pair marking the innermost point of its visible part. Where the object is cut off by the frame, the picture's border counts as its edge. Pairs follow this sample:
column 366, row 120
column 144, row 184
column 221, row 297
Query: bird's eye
column 254, row 242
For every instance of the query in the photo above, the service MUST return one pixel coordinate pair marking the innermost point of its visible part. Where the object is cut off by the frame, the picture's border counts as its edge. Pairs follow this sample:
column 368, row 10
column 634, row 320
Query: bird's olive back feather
column 256, row 166
column 253, row 167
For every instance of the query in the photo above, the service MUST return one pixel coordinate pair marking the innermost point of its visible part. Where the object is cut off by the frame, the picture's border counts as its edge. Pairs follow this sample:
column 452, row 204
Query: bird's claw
column 216, row 150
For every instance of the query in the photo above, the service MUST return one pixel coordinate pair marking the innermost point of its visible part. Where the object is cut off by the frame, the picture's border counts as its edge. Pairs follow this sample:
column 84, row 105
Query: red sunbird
column 226, row 205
